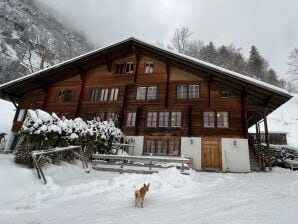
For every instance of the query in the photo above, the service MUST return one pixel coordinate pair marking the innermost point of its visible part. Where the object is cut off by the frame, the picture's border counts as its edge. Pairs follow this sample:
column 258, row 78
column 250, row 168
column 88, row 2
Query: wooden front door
column 211, row 154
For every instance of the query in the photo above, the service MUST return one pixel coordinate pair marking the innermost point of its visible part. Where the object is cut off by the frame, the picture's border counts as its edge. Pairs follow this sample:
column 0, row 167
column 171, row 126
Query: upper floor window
column 222, row 119
column 151, row 119
column 65, row 95
column 209, row 120
column 95, row 94
column 120, row 68
column 114, row 94
column 141, row 93
column 104, row 94
column 181, row 92
column 188, row 91
column 151, row 94
column 131, row 119
column 129, row 67
column 163, row 119
column 193, row 91
column 176, row 119
column 21, row 115
column 224, row 94
column 124, row 68
column 148, row 67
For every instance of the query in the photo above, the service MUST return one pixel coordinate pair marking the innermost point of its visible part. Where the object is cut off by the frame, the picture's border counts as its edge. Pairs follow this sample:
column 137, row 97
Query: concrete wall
column 191, row 147
column 235, row 155
column 138, row 150
column 9, row 142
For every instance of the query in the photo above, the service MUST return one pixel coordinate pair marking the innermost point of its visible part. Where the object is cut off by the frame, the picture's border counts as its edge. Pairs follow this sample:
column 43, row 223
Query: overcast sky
column 271, row 25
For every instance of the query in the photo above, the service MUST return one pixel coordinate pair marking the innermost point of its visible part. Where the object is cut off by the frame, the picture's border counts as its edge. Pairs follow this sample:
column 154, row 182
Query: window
column 176, row 119
column 149, row 68
column 65, row 95
column 119, row 68
column 194, row 91
column 209, row 120
column 129, row 66
column 151, row 119
column 222, row 119
column 162, row 145
column 181, row 92
column 174, row 147
column 163, row 119
column 114, row 95
column 112, row 116
column 150, row 147
column 131, row 119
column 141, row 93
column 224, row 94
column 151, row 94
column 104, row 95
column 95, row 95
column 21, row 115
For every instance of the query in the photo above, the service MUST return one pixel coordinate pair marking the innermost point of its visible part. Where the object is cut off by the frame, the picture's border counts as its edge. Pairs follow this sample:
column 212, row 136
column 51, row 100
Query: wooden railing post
column 269, row 162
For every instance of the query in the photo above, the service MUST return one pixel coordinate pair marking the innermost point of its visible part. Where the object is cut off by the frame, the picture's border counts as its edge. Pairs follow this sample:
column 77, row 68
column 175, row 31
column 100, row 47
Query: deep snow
column 72, row 196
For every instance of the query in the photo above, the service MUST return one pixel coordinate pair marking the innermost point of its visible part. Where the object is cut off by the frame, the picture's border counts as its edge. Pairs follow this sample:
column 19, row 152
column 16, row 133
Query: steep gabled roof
column 17, row 88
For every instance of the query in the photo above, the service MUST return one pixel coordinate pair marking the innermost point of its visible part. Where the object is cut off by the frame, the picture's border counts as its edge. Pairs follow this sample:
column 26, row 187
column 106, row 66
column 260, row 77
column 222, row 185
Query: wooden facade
column 106, row 83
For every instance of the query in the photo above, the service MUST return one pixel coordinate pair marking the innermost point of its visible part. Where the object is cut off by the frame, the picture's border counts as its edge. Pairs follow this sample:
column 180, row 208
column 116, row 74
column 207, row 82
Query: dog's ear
column 144, row 185
column 148, row 185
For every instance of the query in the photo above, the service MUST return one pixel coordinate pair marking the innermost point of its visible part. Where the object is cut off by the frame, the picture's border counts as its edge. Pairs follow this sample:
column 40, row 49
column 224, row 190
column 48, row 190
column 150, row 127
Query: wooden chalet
column 172, row 104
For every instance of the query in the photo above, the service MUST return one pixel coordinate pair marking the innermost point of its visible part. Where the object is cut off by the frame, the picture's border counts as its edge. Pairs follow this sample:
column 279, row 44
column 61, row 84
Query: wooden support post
column 124, row 103
column 83, row 79
column 209, row 92
column 168, row 85
column 267, row 141
column 46, row 98
column 137, row 120
column 137, row 59
column 189, row 120
column 244, row 112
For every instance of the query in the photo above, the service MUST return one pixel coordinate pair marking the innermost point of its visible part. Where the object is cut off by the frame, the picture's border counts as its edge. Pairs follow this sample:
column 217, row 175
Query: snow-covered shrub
column 279, row 154
column 41, row 130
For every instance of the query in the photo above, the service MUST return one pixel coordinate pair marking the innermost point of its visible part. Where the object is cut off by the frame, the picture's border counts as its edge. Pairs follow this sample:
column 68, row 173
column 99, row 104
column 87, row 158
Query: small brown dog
column 140, row 195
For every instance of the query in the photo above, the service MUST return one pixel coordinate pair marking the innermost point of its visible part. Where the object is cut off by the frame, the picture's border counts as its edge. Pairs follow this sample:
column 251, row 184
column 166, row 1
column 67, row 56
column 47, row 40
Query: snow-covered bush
column 41, row 130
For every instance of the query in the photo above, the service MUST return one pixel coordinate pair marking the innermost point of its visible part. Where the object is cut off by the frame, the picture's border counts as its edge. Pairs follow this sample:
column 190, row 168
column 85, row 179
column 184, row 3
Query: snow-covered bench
column 125, row 163
column 37, row 155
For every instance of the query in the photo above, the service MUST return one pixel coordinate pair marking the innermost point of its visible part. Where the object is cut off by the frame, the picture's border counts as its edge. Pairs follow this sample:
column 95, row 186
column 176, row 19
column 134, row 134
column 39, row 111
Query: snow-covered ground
column 72, row 196
column 285, row 119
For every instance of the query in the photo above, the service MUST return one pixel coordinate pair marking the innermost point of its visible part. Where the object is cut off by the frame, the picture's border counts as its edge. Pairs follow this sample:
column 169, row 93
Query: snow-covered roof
column 196, row 61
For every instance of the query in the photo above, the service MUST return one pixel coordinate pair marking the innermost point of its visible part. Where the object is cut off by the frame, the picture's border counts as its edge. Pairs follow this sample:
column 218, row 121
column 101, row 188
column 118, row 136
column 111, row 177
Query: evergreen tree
column 255, row 64
column 209, row 54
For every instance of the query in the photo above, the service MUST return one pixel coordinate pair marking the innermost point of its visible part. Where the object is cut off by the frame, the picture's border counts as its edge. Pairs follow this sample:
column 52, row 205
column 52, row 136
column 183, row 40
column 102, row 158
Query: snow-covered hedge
column 42, row 130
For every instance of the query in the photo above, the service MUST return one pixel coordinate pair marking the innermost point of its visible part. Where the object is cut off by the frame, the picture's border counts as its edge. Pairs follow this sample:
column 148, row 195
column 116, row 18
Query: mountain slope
column 30, row 39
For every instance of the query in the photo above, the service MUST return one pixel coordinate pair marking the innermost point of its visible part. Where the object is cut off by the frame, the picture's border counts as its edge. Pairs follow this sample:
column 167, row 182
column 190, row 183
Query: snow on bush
column 42, row 130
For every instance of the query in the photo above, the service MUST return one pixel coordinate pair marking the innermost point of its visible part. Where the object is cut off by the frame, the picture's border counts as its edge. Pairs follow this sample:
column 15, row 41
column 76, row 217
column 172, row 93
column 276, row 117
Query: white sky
column 271, row 25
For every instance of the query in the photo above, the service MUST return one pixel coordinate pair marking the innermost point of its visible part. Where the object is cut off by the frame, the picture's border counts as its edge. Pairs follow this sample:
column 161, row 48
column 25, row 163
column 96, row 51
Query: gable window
column 224, row 94
column 131, row 119
column 21, row 115
column 181, row 92
column 114, row 94
column 194, row 91
column 129, row 66
column 163, row 119
column 149, row 68
column 120, row 68
column 151, row 119
column 176, row 119
column 95, row 95
column 151, row 94
column 104, row 94
column 222, row 119
column 209, row 119
column 141, row 93
column 65, row 95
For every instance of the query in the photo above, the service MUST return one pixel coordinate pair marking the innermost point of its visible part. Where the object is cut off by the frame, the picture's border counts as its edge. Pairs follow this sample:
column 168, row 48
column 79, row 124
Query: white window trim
column 21, row 115
column 152, row 93
column 141, row 93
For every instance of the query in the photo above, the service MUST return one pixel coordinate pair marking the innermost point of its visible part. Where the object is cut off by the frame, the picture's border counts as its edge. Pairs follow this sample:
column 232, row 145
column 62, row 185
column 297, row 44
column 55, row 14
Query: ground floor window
column 162, row 145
